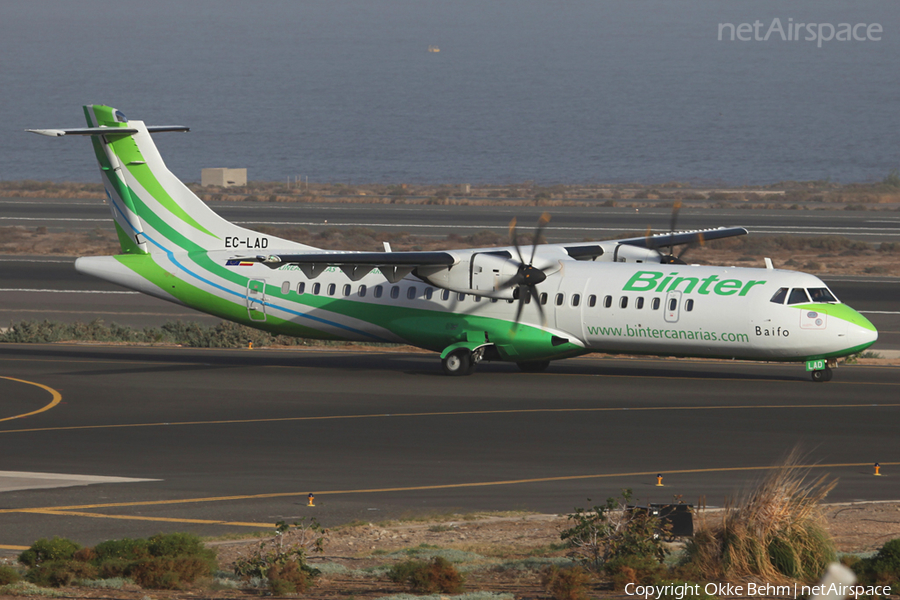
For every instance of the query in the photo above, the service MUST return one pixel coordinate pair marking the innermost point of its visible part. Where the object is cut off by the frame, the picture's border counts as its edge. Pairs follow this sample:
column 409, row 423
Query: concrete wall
column 224, row 177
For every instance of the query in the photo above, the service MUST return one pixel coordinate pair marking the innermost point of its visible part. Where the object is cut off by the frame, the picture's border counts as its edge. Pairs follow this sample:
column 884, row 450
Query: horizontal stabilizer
column 105, row 130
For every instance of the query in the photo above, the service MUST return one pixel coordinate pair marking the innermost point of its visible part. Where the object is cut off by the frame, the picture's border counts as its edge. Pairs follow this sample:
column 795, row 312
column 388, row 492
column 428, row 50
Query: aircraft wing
column 356, row 265
column 683, row 237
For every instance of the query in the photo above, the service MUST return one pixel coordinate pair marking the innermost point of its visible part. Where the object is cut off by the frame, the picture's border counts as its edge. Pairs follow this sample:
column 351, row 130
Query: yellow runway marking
column 69, row 513
column 456, row 414
column 5, row 547
column 56, row 398
column 78, row 510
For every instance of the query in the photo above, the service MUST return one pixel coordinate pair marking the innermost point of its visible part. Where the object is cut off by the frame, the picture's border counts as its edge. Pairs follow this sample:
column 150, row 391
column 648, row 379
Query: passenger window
column 639, row 303
column 460, row 296
column 576, row 299
column 362, row 291
column 821, row 295
column 527, row 298
column 411, row 293
column 331, row 288
column 623, row 302
column 377, row 290
column 689, row 305
column 395, row 292
column 317, row 287
column 798, row 296
column 429, row 292
column 493, row 300
column 607, row 301
column 301, row 287
column 543, row 298
column 592, row 300
column 673, row 303
column 559, row 299
column 779, row 296
column 286, row 288
column 445, row 295
column 347, row 289
column 654, row 304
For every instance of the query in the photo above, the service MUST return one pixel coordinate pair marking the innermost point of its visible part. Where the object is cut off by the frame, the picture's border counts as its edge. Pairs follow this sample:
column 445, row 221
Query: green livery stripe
column 126, row 241
column 126, row 149
column 841, row 311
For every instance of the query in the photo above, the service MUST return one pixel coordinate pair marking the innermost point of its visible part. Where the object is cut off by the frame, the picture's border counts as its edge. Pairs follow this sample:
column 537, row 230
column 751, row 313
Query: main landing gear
column 462, row 361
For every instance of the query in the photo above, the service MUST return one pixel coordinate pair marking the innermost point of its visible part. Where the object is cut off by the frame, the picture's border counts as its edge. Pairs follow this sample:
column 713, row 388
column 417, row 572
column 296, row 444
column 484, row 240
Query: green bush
column 163, row 573
column 60, row 573
column 125, row 549
column 45, row 550
column 435, row 576
column 567, row 583
column 881, row 569
column 8, row 575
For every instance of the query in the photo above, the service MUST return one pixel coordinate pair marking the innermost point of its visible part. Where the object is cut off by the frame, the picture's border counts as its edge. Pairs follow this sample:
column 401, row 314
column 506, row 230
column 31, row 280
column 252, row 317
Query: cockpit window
column 798, row 296
column 120, row 118
column 821, row 295
column 779, row 296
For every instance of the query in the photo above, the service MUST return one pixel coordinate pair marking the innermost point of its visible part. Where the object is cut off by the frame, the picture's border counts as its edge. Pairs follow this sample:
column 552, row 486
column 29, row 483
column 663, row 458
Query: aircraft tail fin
column 153, row 210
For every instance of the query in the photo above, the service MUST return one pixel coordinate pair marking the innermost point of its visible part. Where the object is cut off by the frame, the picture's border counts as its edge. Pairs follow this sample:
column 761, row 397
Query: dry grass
column 775, row 532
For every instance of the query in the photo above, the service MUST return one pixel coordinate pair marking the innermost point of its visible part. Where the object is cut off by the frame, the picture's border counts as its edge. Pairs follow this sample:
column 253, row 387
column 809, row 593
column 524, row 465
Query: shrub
column 567, row 583
column 881, row 569
column 290, row 578
column 45, row 550
column 610, row 531
column 60, row 573
column 775, row 532
column 8, row 575
column 272, row 555
column 165, row 573
column 634, row 569
column 435, row 576
column 124, row 550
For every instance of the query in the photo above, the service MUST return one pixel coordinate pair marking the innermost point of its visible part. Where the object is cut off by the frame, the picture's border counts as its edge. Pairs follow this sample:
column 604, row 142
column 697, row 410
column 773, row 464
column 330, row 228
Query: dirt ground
column 501, row 554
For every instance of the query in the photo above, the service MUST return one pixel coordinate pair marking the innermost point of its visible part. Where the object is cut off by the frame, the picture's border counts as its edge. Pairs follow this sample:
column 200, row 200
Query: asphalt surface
column 568, row 223
column 237, row 439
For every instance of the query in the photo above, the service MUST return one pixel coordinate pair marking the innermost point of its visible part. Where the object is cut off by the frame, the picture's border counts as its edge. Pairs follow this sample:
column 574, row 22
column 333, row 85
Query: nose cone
column 860, row 332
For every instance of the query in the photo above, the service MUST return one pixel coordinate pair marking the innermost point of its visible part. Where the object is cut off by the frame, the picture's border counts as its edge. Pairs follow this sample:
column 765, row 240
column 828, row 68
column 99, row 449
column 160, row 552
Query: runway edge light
column 310, row 499
column 877, row 470
column 659, row 482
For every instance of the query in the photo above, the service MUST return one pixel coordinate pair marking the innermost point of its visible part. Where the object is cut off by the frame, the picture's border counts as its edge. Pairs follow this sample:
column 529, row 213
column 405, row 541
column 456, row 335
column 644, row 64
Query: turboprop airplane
column 564, row 300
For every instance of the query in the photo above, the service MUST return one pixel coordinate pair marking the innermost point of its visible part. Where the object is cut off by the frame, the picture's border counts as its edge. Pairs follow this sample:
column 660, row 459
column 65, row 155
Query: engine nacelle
column 481, row 273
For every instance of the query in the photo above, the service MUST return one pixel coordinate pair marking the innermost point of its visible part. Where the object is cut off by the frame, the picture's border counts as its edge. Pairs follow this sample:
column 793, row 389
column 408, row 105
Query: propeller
column 527, row 276
column 670, row 258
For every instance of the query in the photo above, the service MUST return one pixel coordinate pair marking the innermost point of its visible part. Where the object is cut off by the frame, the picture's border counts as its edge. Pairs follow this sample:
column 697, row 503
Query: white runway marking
column 23, row 480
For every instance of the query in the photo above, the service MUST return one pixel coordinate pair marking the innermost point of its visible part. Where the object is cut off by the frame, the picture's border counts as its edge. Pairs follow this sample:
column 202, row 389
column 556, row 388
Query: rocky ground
column 502, row 554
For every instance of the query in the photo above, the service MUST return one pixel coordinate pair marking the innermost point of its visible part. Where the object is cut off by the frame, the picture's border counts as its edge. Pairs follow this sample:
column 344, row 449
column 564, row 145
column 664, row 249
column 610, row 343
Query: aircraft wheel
column 533, row 366
column 821, row 375
column 458, row 362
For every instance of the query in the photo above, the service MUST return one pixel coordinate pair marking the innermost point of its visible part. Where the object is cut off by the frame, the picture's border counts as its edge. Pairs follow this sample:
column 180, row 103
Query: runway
column 238, row 439
column 568, row 224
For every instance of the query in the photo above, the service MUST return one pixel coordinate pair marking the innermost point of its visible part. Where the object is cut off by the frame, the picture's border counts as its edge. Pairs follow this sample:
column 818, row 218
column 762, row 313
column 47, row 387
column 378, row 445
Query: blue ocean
column 580, row 91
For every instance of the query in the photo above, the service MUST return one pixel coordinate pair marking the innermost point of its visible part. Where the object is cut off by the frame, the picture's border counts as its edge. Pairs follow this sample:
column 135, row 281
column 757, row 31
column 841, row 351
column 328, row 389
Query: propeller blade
column 520, row 305
column 537, row 301
column 675, row 208
column 542, row 222
column 514, row 238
